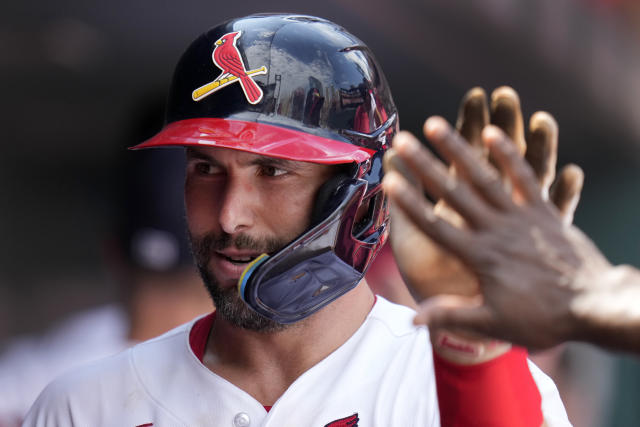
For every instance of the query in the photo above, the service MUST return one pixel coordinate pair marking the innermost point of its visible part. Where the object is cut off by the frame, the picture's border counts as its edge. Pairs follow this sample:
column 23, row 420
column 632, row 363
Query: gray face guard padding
column 310, row 272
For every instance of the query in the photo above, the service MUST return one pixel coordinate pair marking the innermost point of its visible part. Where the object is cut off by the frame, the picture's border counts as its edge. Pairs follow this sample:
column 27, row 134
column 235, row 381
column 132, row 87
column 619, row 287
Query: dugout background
column 74, row 72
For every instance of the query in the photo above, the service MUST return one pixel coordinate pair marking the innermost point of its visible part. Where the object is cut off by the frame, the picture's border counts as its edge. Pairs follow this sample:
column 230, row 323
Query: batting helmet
column 299, row 88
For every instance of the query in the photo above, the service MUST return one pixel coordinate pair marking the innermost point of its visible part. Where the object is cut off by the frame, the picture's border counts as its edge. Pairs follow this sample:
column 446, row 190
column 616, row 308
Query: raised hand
column 430, row 269
column 532, row 268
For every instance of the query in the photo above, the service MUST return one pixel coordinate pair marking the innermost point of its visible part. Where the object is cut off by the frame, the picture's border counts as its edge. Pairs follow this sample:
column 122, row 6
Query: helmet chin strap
column 309, row 273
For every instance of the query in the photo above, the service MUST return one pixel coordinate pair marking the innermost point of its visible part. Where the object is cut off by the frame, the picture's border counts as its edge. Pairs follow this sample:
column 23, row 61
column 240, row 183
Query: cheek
column 289, row 212
column 200, row 206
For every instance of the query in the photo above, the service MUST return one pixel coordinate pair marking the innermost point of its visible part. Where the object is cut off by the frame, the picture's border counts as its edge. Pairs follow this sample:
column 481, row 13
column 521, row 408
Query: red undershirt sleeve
column 500, row 392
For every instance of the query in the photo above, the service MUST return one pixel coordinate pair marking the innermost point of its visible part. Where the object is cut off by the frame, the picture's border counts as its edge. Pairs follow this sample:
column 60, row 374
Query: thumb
column 454, row 312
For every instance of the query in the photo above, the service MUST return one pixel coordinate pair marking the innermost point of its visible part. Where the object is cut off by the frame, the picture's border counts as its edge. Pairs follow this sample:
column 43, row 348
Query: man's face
column 240, row 205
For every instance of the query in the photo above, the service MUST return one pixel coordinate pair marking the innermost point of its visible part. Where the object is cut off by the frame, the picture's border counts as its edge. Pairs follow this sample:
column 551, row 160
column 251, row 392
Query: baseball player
column 285, row 120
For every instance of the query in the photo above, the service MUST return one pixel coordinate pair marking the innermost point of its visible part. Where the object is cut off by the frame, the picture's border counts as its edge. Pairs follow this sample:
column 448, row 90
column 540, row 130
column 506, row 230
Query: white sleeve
column 553, row 409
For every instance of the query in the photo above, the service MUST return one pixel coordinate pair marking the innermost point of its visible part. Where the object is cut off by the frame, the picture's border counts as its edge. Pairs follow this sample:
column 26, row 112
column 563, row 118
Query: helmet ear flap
column 326, row 197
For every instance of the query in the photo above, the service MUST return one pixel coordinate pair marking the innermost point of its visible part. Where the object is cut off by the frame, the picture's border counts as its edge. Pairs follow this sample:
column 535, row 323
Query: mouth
column 228, row 266
column 239, row 260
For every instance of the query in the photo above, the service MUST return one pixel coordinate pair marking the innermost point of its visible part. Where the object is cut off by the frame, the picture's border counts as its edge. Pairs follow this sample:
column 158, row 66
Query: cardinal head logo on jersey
column 226, row 56
column 350, row 421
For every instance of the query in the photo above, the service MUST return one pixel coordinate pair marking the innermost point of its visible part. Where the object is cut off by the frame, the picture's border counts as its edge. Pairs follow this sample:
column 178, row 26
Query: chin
column 231, row 308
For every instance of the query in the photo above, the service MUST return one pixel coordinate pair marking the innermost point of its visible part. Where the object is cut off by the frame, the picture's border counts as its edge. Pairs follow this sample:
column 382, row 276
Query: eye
column 204, row 168
column 268, row 170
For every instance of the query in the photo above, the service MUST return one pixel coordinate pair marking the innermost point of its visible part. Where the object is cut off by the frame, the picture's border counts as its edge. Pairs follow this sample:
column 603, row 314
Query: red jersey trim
column 200, row 333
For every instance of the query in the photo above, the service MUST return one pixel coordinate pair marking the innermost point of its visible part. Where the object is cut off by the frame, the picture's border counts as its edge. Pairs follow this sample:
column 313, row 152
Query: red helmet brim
column 258, row 138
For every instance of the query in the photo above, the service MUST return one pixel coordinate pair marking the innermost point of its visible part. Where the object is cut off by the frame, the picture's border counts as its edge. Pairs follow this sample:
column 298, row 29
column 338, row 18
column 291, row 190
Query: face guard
column 327, row 261
column 299, row 88
column 308, row 273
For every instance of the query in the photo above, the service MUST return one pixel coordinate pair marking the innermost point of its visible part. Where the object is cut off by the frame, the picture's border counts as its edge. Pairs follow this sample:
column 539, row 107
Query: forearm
column 608, row 313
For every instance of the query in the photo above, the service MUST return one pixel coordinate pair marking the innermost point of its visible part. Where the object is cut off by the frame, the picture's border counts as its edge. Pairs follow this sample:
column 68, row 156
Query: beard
column 227, row 300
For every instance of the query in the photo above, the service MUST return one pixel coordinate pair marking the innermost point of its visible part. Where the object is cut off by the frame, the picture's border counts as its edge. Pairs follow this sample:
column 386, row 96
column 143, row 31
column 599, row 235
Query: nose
column 236, row 212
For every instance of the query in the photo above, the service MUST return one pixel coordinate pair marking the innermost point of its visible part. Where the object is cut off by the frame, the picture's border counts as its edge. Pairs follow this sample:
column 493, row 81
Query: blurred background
column 75, row 73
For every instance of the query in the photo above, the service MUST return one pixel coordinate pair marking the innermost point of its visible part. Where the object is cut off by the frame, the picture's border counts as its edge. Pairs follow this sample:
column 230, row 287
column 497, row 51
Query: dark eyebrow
column 275, row 162
column 194, row 153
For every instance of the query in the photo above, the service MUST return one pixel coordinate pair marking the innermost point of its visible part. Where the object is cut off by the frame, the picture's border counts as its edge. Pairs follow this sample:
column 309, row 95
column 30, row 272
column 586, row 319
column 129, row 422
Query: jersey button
column 241, row 420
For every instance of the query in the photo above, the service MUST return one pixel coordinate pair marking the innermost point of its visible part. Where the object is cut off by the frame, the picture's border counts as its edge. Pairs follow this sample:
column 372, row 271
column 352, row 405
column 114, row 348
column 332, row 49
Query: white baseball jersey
column 382, row 376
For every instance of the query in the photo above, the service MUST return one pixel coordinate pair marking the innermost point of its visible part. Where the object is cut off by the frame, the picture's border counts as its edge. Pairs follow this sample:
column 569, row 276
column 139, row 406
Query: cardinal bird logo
column 350, row 421
column 226, row 56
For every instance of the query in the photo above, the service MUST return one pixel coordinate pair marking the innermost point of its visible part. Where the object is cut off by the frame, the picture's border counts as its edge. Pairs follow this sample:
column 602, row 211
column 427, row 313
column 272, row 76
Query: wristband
column 467, row 351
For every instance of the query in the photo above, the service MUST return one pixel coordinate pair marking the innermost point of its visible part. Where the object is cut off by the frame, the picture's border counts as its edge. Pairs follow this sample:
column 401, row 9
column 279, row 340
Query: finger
column 566, row 191
column 507, row 115
column 454, row 312
column 420, row 211
column 392, row 161
column 473, row 116
column 418, row 257
column 542, row 149
column 439, row 183
column 482, row 176
column 512, row 164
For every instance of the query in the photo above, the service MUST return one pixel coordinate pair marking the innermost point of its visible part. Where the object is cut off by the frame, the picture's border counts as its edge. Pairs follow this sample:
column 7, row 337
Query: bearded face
column 240, row 205
column 227, row 300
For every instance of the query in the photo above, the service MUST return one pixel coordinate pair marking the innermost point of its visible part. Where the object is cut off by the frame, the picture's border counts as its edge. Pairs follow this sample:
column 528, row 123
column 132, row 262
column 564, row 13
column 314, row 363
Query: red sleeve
column 500, row 392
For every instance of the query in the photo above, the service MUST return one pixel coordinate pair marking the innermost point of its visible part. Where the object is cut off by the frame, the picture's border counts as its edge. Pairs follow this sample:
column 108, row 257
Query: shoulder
column 397, row 319
column 79, row 391
column 390, row 337
column 386, row 366
column 107, row 385
column 29, row 363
